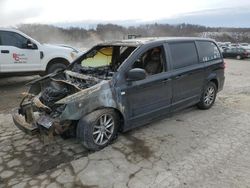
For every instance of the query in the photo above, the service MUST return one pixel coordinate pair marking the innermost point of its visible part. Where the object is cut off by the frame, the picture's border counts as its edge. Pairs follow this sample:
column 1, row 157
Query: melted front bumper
column 20, row 122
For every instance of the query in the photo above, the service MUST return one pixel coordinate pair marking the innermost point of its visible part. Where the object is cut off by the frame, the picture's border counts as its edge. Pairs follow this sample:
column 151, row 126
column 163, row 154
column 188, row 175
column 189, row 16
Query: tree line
column 81, row 37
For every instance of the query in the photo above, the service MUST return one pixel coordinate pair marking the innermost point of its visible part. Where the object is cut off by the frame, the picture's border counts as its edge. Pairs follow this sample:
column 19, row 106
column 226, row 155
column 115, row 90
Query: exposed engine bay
column 68, row 84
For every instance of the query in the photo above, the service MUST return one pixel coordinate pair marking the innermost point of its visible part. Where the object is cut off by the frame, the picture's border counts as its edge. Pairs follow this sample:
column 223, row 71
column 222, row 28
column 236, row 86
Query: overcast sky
column 205, row 12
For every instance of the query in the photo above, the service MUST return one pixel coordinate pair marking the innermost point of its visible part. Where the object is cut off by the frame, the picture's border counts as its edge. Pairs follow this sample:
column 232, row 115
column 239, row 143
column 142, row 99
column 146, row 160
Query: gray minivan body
column 171, row 90
column 188, row 66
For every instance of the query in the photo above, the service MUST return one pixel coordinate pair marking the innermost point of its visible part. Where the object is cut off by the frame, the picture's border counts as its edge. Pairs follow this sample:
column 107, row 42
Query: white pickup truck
column 20, row 53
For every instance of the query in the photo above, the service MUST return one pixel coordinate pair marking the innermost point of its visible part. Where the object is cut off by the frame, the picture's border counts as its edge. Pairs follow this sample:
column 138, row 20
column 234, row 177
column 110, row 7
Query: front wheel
column 97, row 129
column 208, row 97
column 238, row 57
column 55, row 67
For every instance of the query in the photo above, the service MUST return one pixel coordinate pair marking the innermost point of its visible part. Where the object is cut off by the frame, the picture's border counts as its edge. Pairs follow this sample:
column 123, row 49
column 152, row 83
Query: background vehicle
column 117, row 86
column 238, row 53
column 20, row 53
column 247, row 47
column 234, row 45
column 68, row 46
column 244, row 44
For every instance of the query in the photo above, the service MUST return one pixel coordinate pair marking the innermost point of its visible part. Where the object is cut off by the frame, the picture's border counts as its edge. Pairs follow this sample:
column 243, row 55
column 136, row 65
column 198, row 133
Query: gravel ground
column 193, row 148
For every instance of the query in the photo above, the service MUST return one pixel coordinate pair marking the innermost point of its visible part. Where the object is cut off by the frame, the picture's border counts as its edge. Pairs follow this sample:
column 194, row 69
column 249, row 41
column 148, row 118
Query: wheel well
column 215, row 81
column 57, row 60
column 121, row 117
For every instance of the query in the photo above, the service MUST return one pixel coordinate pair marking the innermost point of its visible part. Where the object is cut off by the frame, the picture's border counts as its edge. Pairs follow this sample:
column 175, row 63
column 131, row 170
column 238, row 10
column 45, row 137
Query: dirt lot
column 193, row 148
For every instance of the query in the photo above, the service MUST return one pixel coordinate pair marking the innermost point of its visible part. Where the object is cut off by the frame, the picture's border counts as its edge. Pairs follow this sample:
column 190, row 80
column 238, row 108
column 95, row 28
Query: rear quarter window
column 183, row 54
column 208, row 51
column 241, row 50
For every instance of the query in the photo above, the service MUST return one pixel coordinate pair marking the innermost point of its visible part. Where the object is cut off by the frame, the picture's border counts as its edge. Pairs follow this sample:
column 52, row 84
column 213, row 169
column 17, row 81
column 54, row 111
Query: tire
column 238, row 57
column 55, row 67
column 91, row 132
column 208, row 97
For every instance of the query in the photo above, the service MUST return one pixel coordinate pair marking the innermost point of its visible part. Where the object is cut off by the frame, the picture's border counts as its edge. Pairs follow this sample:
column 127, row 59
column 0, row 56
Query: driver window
column 152, row 61
column 21, row 41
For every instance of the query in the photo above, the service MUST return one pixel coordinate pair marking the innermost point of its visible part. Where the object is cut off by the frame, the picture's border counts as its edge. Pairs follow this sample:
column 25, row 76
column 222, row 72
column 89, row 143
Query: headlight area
column 33, row 117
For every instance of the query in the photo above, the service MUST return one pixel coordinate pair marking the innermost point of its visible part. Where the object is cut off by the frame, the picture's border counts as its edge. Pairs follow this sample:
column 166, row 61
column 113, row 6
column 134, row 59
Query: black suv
column 238, row 53
column 120, row 85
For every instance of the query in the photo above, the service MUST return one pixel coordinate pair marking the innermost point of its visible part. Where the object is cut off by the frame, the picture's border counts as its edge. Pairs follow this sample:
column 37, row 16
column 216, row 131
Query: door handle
column 180, row 76
column 166, row 80
column 5, row 51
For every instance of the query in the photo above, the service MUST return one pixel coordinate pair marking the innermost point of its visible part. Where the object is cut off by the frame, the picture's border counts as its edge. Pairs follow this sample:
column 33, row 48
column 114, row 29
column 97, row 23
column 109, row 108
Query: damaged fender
column 88, row 100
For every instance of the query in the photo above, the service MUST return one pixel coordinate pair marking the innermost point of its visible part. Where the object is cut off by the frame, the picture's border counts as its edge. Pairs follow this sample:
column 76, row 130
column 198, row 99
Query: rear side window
column 228, row 50
column 208, row 51
column 12, row 39
column 241, row 50
column 183, row 54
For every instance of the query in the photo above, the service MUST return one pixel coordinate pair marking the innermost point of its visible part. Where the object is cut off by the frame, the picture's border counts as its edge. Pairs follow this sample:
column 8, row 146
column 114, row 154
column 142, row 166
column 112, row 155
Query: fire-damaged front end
column 56, row 102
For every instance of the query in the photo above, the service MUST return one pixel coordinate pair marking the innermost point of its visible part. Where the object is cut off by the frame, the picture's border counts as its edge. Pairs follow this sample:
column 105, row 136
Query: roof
column 8, row 29
column 140, row 41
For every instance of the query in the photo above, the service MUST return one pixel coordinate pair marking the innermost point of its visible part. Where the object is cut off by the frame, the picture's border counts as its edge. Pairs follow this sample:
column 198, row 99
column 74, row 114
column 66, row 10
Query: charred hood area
column 64, row 84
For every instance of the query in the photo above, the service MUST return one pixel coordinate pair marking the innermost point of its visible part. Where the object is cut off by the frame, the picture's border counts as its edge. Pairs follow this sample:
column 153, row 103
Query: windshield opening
column 102, row 61
column 98, row 58
column 106, row 56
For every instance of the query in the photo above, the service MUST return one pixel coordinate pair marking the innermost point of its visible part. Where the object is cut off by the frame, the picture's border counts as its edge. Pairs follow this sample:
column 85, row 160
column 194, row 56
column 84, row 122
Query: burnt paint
column 101, row 95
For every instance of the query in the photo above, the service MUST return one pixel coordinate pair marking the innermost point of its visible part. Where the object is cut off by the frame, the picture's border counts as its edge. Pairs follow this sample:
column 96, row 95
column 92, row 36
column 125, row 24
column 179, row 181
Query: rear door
column 15, row 55
column 187, row 74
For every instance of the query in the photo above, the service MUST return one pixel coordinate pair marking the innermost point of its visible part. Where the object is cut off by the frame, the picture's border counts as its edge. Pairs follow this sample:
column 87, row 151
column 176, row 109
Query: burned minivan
column 116, row 86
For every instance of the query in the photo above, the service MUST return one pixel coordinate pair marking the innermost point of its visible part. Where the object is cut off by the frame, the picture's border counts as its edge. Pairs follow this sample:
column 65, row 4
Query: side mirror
column 136, row 74
column 31, row 45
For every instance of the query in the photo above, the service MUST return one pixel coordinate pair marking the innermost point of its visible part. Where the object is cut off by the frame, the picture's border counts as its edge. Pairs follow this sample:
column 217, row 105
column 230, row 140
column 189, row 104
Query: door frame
column 186, row 71
column 121, row 83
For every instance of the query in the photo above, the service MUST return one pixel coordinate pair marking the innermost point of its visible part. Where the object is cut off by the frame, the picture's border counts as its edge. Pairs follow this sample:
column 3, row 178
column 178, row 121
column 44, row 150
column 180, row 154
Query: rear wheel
column 208, row 97
column 98, row 129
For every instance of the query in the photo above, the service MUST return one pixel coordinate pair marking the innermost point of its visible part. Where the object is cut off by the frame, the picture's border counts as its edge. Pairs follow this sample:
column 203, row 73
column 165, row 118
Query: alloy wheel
column 103, row 129
column 209, row 95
